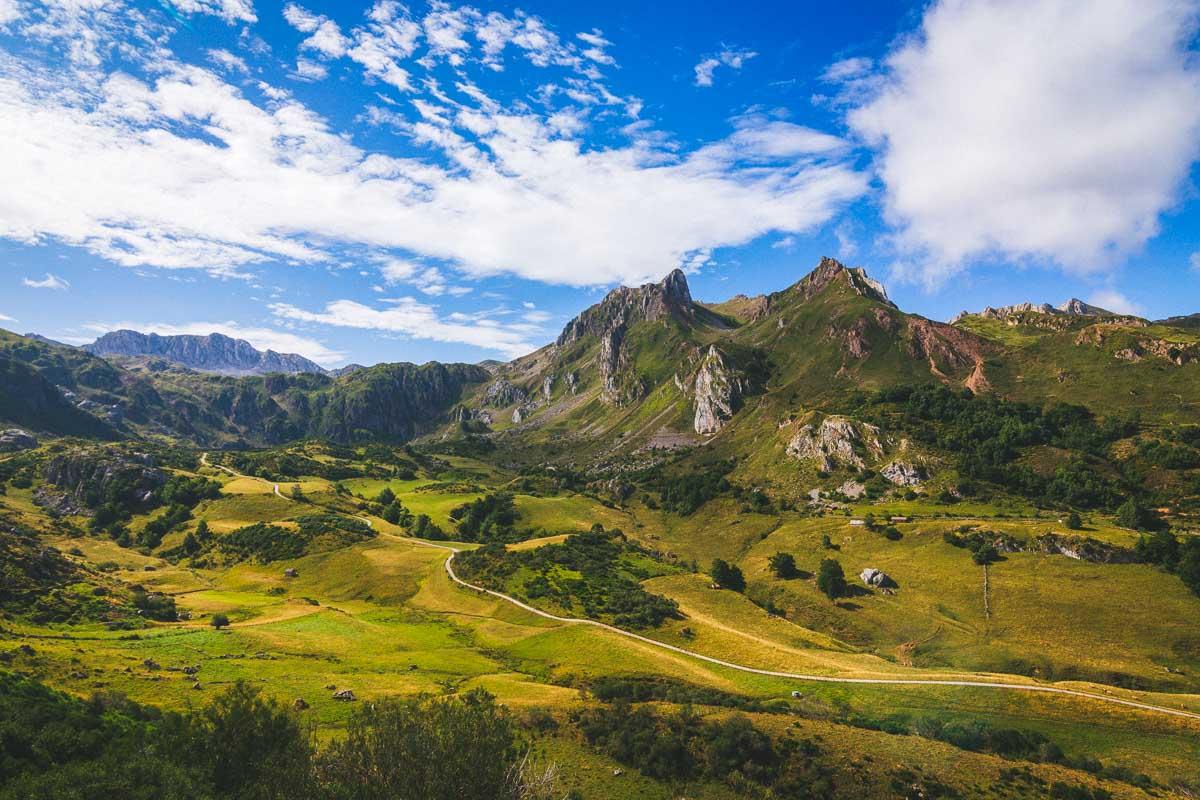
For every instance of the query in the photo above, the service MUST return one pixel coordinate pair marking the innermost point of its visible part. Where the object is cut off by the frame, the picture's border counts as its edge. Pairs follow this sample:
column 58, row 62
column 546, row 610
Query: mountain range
column 647, row 367
column 212, row 353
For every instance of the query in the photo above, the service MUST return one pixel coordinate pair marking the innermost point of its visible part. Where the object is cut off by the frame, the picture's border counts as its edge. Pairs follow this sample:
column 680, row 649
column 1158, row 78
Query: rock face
column 903, row 473
column 15, row 439
column 877, row 578
column 837, row 441
column 345, row 695
column 719, row 390
column 501, row 393
column 830, row 270
column 88, row 476
column 212, row 353
column 523, row 411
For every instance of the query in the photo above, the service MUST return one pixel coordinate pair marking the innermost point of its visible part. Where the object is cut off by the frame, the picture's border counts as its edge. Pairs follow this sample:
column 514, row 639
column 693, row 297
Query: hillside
column 797, row 545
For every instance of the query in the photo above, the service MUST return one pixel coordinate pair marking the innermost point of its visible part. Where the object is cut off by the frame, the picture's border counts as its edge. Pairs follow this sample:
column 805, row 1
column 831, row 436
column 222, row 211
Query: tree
column 251, row 748
column 727, row 576
column 203, row 534
column 784, row 566
column 297, row 493
column 985, row 554
column 463, row 748
column 1132, row 514
column 219, row 621
column 831, row 579
column 191, row 545
column 386, row 496
column 392, row 512
column 1074, row 522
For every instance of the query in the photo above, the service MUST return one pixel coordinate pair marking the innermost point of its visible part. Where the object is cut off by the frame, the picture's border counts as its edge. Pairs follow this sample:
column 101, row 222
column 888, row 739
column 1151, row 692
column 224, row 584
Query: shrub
column 728, row 576
column 219, row 621
column 831, row 579
column 784, row 566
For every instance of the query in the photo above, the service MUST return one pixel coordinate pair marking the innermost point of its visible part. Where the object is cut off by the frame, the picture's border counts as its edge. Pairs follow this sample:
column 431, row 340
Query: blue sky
column 383, row 182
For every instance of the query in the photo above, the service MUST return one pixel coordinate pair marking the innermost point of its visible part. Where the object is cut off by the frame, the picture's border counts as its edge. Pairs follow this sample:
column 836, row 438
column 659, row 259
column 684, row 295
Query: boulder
column 853, row 489
column 877, row 578
column 345, row 695
column 300, row 704
column 15, row 439
column 291, row 572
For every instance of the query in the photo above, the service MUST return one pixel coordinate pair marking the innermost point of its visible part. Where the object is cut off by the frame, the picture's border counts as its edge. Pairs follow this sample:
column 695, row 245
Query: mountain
column 212, row 353
column 1071, row 308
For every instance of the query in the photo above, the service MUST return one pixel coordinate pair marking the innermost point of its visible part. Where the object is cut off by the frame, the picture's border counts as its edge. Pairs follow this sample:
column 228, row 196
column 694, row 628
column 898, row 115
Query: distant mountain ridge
column 1072, row 308
column 212, row 353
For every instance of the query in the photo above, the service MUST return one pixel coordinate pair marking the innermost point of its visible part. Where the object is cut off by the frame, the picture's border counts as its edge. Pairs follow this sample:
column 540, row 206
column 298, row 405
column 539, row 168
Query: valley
column 992, row 565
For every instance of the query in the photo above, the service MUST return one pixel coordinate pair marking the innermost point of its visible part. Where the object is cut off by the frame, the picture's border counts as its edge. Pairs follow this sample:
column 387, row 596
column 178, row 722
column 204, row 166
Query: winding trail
column 236, row 474
column 799, row 676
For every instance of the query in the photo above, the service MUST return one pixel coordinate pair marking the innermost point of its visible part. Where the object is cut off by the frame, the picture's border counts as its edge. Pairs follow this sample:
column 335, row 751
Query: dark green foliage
column 152, row 534
column 985, row 554
column 1165, row 550
column 831, row 579
column 682, row 747
column 155, row 605
column 1168, row 455
column 491, row 518
column 685, row 494
column 784, row 566
column 989, row 433
column 727, row 576
column 608, row 689
column 219, row 621
column 462, row 748
column 425, row 528
column 188, row 492
column 1132, row 514
column 607, row 587
column 386, row 497
column 1074, row 521
column 267, row 543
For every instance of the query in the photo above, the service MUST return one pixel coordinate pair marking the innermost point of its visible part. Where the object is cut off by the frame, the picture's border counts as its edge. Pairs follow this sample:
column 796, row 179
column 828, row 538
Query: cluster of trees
column 685, row 494
column 1181, row 558
column 979, row 543
column 727, row 576
column 978, row 736
column 288, row 465
column 683, row 747
column 988, row 433
column 491, row 518
column 265, row 542
column 607, row 585
column 121, row 498
column 244, row 747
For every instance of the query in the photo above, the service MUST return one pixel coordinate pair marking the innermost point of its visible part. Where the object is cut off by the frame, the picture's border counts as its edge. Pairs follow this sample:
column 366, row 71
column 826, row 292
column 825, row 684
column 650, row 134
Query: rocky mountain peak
column 626, row 305
column 1077, row 308
column 830, row 270
column 1071, row 308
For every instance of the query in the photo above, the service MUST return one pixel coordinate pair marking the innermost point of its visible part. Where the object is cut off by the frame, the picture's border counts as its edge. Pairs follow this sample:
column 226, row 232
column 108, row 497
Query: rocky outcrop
column 212, row 353
column 15, row 439
column 548, row 386
column 837, row 441
column 1082, row 548
column 89, row 478
column 719, row 389
column 830, row 270
column 501, row 393
column 946, row 348
column 618, row 386
column 1137, row 347
column 902, row 473
column 523, row 412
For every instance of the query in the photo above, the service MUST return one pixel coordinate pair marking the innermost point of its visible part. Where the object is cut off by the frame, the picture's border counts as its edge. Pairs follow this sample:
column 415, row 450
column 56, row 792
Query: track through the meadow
column 799, row 676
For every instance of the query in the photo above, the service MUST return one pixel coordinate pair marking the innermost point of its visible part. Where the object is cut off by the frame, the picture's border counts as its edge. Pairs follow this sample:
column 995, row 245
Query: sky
column 366, row 182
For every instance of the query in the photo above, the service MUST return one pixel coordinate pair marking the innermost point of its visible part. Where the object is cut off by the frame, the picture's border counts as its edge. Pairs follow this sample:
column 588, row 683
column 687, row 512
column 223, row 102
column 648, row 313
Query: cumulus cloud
column 417, row 320
column 734, row 59
column 9, row 11
column 261, row 338
column 227, row 61
column 6, row 318
column 1113, row 300
column 49, row 282
column 1047, row 129
column 229, row 10
column 144, row 172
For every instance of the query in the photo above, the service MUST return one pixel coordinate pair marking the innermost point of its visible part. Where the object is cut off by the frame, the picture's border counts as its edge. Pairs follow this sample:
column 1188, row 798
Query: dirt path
column 980, row 684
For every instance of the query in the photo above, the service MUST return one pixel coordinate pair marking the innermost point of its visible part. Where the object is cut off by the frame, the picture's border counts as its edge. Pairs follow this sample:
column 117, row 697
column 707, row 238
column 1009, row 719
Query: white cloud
column 49, row 282
column 229, row 10
column 1113, row 300
column 261, row 338
column 847, row 246
column 326, row 37
column 1045, row 129
column 309, row 70
column 227, row 61
column 10, row 10
column 419, row 321
column 146, row 173
column 784, row 243
column 734, row 59
column 6, row 318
